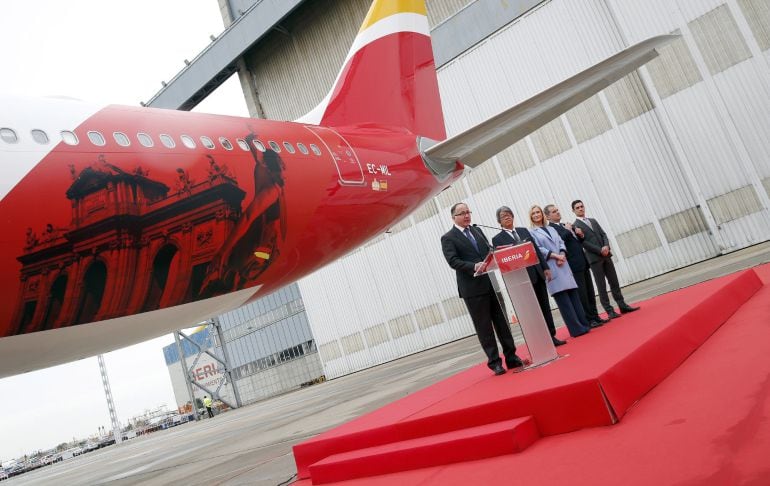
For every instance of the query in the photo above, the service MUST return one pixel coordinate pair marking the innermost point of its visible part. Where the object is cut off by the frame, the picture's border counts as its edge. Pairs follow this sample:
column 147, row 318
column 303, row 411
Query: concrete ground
column 252, row 445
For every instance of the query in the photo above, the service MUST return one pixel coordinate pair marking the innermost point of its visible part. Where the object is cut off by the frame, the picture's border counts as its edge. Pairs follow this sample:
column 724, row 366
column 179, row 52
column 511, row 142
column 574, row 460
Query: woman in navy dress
column 562, row 286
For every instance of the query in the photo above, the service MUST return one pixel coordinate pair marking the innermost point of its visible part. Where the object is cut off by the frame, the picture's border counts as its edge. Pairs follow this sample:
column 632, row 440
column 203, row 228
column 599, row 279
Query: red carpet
column 464, row 445
column 618, row 363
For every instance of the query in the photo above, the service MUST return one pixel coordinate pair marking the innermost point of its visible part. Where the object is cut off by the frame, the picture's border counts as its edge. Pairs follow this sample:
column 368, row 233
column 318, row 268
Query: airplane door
column 343, row 155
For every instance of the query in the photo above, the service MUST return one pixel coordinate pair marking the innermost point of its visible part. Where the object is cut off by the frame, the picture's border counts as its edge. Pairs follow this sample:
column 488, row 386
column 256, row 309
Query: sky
column 100, row 51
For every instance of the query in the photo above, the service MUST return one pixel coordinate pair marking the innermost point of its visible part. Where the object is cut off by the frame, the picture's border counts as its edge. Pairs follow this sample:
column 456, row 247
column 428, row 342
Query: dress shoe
column 600, row 320
column 595, row 324
column 558, row 342
column 625, row 309
column 498, row 370
column 516, row 363
column 611, row 314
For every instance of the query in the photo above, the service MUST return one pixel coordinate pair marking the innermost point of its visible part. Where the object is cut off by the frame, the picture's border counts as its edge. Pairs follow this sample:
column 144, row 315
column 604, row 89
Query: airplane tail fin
column 389, row 75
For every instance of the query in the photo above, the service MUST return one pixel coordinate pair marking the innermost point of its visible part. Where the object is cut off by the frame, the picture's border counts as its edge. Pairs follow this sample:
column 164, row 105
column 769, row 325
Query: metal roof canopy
column 217, row 62
column 472, row 24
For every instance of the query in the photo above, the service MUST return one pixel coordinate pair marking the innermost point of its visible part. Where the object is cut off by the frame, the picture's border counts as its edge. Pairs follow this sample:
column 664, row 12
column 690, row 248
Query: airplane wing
column 479, row 143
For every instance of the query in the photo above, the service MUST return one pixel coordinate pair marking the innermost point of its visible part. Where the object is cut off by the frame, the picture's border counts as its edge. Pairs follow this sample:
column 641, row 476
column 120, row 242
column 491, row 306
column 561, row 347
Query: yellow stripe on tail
column 381, row 9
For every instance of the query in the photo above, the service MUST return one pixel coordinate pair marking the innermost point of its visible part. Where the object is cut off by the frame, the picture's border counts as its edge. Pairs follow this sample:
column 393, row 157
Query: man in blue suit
column 578, row 263
column 465, row 248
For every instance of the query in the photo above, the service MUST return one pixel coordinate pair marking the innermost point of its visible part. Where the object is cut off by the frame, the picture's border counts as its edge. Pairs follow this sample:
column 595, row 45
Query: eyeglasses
column 463, row 213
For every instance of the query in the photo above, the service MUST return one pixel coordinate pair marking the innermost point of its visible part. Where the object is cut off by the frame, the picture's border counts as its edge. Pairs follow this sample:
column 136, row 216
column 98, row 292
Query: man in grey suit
column 597, row 250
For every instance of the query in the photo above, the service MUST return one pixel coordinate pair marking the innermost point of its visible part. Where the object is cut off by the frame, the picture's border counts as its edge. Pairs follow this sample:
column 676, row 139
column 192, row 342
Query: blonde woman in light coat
column 562, row 286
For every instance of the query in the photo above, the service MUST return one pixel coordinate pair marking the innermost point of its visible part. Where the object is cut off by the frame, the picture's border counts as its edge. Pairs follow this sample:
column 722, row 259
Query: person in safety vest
column 207, row 404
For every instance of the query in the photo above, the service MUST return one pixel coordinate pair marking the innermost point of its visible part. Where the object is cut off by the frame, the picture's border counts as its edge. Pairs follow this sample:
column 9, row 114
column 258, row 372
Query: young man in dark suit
column 597, row 249
column 538, row 274
column 465, row 248
column 576, row 259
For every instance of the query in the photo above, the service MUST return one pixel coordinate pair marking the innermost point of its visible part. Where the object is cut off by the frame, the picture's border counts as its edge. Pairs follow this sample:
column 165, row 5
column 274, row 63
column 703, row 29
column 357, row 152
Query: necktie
column 516, row 236
column 468, row 234
column 588, row 223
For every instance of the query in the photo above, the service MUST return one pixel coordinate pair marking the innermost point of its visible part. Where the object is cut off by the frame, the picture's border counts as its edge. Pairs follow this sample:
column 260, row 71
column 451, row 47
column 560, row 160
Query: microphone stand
column 482, row 232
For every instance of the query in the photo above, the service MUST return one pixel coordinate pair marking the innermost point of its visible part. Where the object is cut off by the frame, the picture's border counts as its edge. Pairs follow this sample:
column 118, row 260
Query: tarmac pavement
column 252, row 445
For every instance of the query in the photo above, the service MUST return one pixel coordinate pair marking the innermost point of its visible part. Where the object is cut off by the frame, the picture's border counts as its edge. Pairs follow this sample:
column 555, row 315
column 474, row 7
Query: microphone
column 500, row 228
column 485, row 236
column 478, row 227
column 497, row 228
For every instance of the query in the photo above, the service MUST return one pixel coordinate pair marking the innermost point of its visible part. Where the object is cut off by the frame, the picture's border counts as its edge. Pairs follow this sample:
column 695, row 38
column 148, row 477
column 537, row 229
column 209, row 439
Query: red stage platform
column 475, row 415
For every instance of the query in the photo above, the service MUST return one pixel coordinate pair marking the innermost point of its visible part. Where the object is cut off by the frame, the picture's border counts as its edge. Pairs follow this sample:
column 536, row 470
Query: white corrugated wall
column 673, row 160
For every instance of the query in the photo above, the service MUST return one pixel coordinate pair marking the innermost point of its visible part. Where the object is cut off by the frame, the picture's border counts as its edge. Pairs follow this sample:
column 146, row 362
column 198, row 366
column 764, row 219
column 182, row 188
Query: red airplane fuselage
column 96, row 232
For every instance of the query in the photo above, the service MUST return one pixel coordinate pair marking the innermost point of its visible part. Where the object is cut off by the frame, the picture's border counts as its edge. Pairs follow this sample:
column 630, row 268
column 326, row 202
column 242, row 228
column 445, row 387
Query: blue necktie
column 468, row 234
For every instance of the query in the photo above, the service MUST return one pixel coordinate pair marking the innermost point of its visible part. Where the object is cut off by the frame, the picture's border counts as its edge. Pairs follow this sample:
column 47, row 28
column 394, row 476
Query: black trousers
column 541, row 292
column 605, row 269
column 488, row 319
column 587, row 293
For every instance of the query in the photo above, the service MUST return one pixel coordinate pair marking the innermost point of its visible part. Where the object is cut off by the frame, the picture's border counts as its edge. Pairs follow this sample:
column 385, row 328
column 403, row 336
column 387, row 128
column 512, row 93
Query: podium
column 512, row 262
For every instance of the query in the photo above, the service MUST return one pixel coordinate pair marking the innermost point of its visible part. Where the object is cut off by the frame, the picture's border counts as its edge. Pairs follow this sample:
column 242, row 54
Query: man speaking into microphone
column 465, row 248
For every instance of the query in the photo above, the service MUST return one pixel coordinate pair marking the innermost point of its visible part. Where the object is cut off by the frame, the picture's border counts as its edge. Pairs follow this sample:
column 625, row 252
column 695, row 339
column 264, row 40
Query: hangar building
column 269, row 344
column 674, row 159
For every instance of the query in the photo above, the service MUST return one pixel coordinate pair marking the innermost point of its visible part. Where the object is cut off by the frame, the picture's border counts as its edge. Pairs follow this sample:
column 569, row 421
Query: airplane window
column 242, row 144
column 225, row 143
column 145, row 139
column 39, row 136
column 206, row 141
column 167, row 141
column 69, row 137
column 276, row 148
column 302, row 148
column 8, row 135
column 121, row 139
column 260, row 146
column 315, row 149
column 96, row 138
column 188, row 141
column 289, row 147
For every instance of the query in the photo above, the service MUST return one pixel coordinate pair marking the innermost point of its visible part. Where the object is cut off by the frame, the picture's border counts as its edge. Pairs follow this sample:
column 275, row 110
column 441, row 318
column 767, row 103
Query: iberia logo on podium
column 515, row 257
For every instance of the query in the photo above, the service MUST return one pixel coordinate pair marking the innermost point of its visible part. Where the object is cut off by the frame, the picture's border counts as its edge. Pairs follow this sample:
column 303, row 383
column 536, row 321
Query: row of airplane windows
column 8, row 135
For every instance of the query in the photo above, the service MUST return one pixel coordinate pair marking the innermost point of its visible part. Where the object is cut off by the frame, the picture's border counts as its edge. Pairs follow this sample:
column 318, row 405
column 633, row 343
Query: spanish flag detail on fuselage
column 263, row 253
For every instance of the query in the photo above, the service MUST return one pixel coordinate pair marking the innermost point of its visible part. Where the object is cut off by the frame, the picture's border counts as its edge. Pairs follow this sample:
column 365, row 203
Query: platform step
column 499, row 438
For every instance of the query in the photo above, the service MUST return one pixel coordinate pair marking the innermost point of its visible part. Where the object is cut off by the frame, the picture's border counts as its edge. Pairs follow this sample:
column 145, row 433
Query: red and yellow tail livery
column 389, row 76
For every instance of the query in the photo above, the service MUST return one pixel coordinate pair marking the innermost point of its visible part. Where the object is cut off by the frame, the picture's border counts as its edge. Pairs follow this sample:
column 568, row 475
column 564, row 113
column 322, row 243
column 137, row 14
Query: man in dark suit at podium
column 465, row 248
column 578, row 263
column 599, row 255
column 538, row 274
